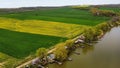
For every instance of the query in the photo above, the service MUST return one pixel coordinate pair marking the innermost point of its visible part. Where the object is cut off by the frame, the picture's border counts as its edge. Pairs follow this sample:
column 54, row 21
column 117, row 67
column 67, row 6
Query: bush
column 63, row 49
column 94, row 11
column 69, row 43
column 104, row 27
column 61, row 53
column 41, row 52
column 108, row 13
column 91, row 34
column 115, row 21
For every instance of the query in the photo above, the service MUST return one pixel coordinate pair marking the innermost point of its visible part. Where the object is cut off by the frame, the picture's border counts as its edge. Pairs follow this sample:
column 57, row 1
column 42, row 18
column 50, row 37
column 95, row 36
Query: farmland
column 63, row 14
column 19, row 44
column 116, row 9
column 42, row 27
column 22, row 33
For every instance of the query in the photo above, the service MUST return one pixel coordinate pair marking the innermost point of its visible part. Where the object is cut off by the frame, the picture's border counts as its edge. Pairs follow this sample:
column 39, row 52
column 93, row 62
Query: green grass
column 115, row 9
column 3, row 57
column 64, row 14
column 19, row 45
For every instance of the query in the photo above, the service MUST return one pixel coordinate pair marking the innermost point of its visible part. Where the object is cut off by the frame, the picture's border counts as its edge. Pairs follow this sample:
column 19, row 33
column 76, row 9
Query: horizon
column 45, row 3
column 55, row 6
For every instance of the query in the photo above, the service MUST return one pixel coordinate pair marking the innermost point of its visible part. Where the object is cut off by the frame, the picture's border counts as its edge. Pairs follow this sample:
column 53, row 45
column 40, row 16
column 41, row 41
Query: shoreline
column 76, row 42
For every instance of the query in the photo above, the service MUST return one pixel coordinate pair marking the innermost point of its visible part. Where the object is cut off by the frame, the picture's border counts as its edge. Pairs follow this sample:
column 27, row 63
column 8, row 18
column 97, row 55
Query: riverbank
column 62, row 50
column 89, row 34
column 103, row 54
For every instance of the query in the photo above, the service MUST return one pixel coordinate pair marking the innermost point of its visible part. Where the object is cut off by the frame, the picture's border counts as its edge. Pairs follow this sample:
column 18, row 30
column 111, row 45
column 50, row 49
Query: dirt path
column 28, row 62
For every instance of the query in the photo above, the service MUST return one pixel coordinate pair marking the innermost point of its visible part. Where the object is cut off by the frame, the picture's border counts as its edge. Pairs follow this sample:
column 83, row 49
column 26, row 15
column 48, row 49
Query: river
column 104, row 54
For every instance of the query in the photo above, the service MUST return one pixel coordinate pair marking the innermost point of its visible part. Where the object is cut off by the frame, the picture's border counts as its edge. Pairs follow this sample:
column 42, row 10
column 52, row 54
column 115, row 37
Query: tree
column 98, row 12
column 94, row 11
column 69, row 43
column 41, row 52
column 104, row 27
column 61, row 53
column 89, row 34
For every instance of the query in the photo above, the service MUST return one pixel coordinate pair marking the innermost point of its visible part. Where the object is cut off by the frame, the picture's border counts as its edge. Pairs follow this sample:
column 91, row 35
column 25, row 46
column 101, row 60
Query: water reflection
column 87, row 49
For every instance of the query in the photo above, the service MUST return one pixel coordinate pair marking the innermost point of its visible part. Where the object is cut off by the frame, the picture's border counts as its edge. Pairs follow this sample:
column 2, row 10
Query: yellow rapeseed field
column 42, row 27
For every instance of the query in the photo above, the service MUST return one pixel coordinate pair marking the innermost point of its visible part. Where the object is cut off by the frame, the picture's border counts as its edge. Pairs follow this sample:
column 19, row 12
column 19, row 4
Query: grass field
column 115, row 9
column 3, row 57
column 19, row 44
column 63, row 14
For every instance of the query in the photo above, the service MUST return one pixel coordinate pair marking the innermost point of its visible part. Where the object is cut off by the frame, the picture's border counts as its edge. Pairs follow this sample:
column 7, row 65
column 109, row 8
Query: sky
column 33, row 3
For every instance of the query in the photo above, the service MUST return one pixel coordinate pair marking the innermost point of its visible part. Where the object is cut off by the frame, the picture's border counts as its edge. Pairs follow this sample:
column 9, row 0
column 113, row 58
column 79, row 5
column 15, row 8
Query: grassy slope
column 64, row 14
column 42, row 27
column 19, row 44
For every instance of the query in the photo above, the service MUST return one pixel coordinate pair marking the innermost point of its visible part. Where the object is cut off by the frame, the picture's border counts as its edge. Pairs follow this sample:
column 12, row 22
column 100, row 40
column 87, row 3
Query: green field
column 22, row 33
column 20, row 45
column 19, row 38
column 63, row 14
column 116, row 9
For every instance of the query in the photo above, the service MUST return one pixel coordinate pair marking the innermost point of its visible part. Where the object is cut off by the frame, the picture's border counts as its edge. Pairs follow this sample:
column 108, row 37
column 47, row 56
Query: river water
column 104, row 54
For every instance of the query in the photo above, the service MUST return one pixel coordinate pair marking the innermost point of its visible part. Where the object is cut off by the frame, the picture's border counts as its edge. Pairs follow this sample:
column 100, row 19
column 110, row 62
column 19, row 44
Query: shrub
column 104, row 27
column 94, row 11
column 69, row 43
column 108, row 13
column 61, row 53
column 91, row 34
column 63, row 49
column 115, row 21
column 41, row 52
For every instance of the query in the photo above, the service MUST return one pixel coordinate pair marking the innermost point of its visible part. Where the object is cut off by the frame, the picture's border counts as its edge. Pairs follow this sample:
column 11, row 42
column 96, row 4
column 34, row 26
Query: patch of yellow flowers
column 42, row 27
